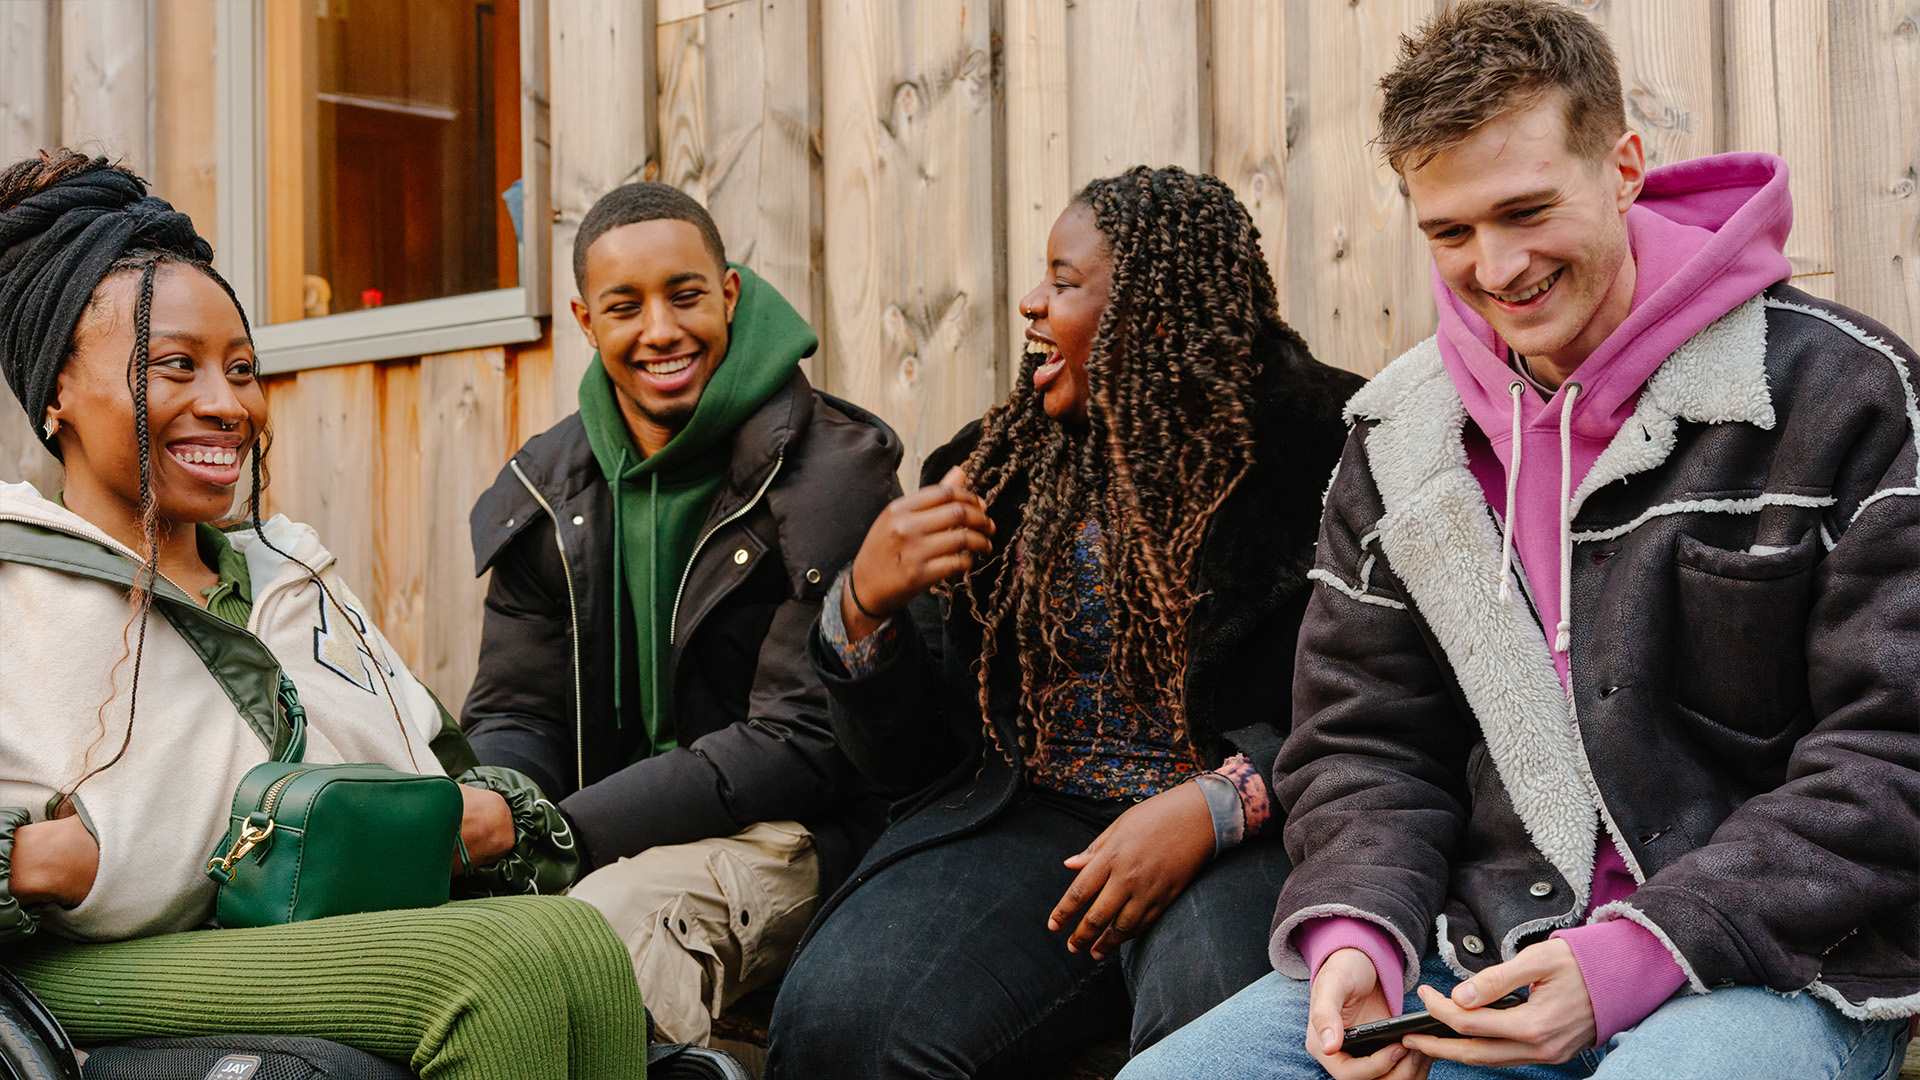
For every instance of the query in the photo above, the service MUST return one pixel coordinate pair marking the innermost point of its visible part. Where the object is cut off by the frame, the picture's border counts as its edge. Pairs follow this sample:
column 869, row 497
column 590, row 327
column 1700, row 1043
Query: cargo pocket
column 769, row 876
column 1740, row 657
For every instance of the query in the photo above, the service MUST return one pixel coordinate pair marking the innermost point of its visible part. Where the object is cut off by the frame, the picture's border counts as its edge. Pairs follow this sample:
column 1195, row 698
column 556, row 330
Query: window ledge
column 477, row 321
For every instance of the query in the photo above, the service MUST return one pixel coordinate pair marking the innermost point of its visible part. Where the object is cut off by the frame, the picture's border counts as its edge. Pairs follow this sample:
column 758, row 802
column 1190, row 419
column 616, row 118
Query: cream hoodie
column 158, row 813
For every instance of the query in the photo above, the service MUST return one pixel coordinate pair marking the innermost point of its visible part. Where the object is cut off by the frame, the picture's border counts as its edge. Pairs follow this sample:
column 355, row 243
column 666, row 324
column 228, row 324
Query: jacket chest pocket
column 1740, row 637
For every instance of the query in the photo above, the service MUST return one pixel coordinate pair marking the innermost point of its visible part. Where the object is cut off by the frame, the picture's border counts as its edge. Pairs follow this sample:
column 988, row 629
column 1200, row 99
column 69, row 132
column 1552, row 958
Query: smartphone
column 1364, row 1039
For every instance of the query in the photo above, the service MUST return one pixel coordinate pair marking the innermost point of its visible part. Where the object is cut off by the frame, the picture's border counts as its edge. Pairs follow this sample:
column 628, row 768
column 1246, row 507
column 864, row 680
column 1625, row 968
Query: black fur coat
column 913, row 726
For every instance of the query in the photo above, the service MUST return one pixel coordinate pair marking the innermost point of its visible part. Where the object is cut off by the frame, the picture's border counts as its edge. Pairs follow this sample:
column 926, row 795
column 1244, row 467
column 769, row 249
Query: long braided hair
column 41, row 173
column 1169, row 433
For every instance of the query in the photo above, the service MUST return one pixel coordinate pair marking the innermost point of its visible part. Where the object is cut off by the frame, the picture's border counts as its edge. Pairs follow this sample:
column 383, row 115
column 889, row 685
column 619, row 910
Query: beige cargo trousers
column 709, row 922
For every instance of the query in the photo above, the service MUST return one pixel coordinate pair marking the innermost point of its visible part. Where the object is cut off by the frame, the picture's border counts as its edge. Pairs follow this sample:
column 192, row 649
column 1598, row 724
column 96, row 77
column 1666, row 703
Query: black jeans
column 942, row 965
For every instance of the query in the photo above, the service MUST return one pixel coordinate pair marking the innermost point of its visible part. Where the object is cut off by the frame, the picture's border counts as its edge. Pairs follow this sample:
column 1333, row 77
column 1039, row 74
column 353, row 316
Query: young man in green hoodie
column 658, row 558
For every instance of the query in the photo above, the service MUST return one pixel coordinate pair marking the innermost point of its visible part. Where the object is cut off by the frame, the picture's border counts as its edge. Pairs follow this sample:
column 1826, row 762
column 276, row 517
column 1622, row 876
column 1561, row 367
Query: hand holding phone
column 1364, row 1039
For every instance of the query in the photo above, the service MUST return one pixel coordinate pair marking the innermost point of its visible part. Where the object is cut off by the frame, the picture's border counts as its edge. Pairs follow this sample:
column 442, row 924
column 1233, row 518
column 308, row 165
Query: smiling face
column 1532, row 236
column 657, row 305
column 205, row 407
column 1063, row 312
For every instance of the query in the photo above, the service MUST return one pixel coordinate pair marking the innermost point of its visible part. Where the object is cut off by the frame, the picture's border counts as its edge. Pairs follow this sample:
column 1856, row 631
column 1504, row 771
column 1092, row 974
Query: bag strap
column 296, row 715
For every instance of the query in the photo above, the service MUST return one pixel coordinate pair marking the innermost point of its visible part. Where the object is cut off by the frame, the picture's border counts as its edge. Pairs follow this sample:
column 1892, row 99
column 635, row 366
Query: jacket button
column 813, row 577
column 1609, row 691
column 510, row 522
column 579, row 519
column 740, row 557
column 1473, row 944
column 1540, row 889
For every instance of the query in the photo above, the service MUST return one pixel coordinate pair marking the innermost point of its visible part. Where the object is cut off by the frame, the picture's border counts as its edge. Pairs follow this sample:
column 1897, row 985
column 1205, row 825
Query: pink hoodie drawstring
column 1517, row 389
column 1563, row 634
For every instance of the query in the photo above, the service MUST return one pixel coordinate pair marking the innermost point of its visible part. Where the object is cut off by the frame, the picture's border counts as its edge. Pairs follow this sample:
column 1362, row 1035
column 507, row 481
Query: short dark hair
column 1486, row 58
column 642, row 200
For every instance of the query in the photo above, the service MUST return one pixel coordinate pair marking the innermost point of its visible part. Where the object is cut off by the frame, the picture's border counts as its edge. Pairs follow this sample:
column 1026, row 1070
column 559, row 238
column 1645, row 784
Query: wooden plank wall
column 894, row 166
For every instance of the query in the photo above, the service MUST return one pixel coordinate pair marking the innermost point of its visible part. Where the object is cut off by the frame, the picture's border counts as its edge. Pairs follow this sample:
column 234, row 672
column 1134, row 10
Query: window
column 386, row 184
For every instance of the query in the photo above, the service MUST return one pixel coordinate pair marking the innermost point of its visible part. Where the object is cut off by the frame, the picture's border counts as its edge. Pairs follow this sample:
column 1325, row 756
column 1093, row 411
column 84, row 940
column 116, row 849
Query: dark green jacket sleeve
column 15, row 920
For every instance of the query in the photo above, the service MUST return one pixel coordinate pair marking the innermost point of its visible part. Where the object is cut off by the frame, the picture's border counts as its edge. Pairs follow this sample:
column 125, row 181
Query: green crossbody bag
column 309, row 841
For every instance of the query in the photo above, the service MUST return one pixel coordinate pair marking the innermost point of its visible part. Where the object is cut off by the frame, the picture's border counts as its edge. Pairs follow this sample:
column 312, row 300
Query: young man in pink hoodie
column 1612, row 692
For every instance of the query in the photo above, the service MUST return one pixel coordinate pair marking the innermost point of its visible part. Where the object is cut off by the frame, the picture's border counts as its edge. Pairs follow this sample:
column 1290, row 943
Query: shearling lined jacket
column 1744, row 717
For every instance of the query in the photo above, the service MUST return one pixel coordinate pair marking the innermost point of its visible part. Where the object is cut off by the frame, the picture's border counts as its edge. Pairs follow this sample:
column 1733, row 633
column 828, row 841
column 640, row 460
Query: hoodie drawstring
column 1563, row 633
column 1513, row 481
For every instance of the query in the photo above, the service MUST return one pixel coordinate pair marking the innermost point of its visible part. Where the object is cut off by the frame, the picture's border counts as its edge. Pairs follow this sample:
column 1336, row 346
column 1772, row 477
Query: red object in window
column 372, row 298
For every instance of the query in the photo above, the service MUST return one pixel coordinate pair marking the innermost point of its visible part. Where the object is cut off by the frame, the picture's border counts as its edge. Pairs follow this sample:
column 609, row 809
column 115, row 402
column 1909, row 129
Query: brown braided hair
column 1169, row 434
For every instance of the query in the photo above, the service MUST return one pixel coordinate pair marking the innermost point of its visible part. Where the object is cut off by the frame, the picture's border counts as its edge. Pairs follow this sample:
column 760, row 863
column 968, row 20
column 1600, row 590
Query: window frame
column 447, row 324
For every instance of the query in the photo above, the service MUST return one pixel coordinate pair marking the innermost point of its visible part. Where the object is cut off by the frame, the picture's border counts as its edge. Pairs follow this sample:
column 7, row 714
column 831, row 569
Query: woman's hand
column 1133, row 870
column 919, row 540
column 1346, row 991
column 486, row 826
column 54, row 862
column 1554, row 1024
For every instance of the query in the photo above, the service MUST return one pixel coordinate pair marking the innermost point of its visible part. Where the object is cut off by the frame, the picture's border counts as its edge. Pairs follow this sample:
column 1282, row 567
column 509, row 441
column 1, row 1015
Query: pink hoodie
column 1706, row 235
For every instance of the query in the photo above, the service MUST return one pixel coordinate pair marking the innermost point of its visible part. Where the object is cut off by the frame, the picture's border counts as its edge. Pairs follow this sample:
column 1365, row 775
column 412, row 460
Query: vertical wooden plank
column 1134, row 70
column 601, row 65
column 533, row 411
column 400, row 535
column 104, row 88
column 761, row 173
column 29, row 73
column 1358, row 270
column 29, row 70
column 912, row 321
column 1779, row 99
column 464, row 421
column 682, row 106
column 1667, row 65
column 1038, row 153
column 321, row 464
column 183, row 108
column 1876, row 80
column 292, row 158
column 1250, row 129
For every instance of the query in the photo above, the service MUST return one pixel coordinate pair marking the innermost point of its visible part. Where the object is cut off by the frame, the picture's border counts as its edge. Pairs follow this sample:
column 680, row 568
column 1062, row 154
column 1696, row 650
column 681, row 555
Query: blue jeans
column 1740, row 1031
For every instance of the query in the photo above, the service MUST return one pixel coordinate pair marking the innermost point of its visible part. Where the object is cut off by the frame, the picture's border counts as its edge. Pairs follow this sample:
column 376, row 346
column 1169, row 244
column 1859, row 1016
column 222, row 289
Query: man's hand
column 919, row 540
column 54, row 862
column 1346, row 991
column 1134, row 869
column 1554, row 1024
column 486, row 826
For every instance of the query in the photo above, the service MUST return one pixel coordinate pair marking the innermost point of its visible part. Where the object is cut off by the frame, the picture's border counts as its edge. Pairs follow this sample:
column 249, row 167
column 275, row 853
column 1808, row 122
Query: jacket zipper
column 673, row 622
column 573, row 622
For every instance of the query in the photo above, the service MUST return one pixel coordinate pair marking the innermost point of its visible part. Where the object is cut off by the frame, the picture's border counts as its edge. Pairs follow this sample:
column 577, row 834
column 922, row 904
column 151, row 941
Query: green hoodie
column 659, row 502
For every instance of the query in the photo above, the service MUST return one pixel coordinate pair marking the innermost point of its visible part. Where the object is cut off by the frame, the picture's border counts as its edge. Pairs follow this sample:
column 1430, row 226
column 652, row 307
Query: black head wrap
column 56, row 246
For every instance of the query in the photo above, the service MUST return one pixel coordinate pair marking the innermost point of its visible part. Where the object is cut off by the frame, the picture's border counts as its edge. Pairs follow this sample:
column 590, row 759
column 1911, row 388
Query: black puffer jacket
column 808, row 475
column 914, row 725
column 1744, row 722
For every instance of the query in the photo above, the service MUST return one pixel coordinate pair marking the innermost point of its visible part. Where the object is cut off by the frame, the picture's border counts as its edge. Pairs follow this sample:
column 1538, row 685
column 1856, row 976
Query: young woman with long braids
column 148, row 660
column 1070, row 655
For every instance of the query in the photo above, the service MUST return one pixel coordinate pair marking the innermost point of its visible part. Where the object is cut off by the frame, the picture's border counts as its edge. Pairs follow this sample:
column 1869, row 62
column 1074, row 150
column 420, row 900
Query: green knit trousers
column 519, row 988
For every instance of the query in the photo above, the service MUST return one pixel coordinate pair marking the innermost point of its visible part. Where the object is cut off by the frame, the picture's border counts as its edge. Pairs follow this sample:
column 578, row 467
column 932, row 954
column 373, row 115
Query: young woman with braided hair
column 149, row 659
column 1069, row 654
